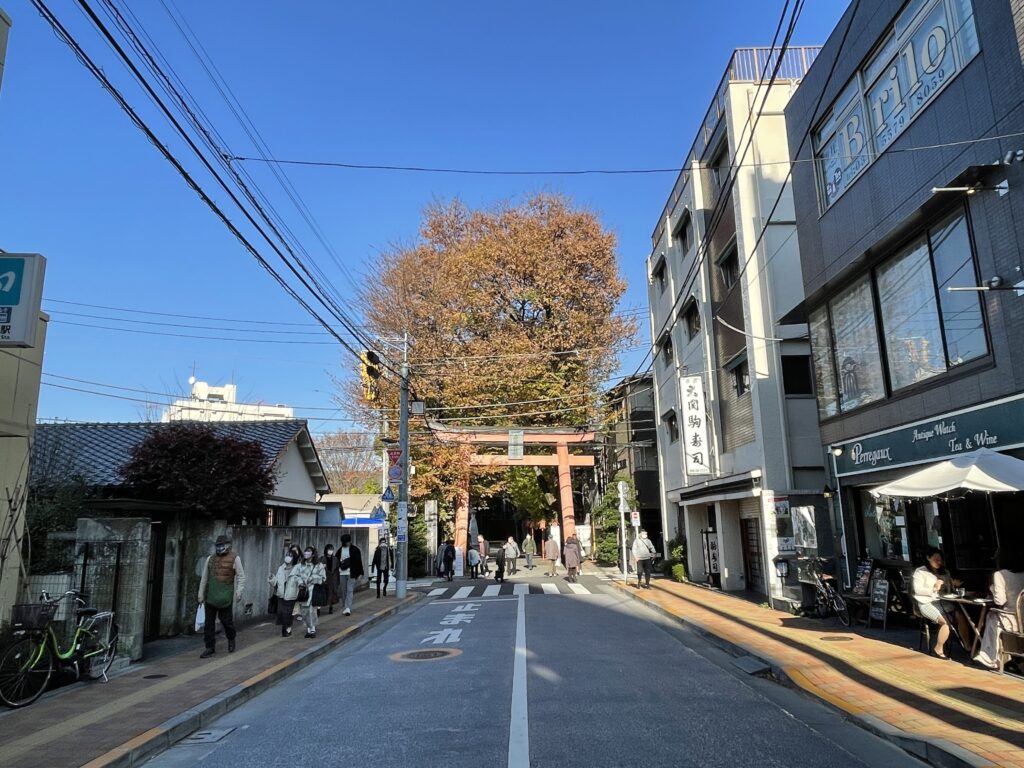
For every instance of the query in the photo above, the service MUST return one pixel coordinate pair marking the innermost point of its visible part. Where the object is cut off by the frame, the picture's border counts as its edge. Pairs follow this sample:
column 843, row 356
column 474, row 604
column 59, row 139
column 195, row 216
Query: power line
column 192, row 336
column 174, row 314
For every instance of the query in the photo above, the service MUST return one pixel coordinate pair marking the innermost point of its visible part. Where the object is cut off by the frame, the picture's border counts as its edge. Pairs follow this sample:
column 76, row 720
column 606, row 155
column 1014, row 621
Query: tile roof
column 96, row 452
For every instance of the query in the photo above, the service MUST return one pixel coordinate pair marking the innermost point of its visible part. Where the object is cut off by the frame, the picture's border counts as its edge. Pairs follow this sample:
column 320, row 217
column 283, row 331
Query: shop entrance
column 751, row 532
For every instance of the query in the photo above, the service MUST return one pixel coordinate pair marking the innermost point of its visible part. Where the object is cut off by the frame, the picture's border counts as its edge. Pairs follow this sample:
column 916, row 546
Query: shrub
column 679, row 572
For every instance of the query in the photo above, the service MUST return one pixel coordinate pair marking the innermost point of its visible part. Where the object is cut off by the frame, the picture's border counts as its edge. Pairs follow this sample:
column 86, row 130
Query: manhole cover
column 432, row 654
column 207, row 737
column 835, row 638
column 152, row 677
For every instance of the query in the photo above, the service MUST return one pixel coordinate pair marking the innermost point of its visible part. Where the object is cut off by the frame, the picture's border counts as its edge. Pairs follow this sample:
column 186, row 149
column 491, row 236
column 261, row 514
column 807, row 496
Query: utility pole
column 622, row 529
column 402, row 555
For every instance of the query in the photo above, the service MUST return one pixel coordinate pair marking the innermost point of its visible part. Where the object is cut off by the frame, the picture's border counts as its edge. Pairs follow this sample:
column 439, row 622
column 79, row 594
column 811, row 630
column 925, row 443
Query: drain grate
column 835, row 638
column 211, row 736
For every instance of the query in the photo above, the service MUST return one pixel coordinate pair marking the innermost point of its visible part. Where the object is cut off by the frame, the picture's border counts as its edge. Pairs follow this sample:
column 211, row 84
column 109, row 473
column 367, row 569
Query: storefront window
column 972, row 532
column 910, row 317
column 858, row 357
column 961, row 310
column 885, row 527
column 824, row 372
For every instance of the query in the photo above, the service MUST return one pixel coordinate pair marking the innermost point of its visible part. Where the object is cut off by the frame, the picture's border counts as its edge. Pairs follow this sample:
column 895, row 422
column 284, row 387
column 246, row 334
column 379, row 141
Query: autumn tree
column 208, row 474
column 513, row 305
column 350, row 461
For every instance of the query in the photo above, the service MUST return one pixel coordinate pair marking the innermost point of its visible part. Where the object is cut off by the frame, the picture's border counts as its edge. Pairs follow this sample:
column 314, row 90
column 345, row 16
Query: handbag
column 272, row 604
column 319, row 595
column 303, row 595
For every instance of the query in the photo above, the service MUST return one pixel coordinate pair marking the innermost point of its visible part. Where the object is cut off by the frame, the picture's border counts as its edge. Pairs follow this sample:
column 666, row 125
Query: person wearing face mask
column 286, row 586
column 350, row 567
column 220, row 586
column 330, row 561
column 382, row 562
column 310, row 574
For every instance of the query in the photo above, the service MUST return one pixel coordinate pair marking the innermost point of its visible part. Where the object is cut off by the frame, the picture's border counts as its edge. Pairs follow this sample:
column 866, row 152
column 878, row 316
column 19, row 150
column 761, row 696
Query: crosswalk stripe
column 462, row 592
column 521, row 589
column 492, row 591
column 579, row 589
column 437, row 592
column 550, row 589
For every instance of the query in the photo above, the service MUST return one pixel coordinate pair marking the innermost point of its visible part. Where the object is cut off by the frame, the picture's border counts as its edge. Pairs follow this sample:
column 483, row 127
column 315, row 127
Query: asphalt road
column 535, row 679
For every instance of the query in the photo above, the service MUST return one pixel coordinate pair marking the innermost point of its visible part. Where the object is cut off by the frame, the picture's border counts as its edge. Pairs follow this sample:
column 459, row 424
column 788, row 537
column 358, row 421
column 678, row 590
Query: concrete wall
column 20, row 371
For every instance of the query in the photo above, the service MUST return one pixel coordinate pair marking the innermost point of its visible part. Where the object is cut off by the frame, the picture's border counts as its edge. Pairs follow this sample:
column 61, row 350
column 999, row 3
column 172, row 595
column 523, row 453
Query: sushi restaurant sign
column 998, row 425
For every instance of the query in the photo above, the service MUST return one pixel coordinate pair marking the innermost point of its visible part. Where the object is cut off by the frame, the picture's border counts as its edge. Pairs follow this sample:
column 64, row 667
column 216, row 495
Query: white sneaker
column 347, row 612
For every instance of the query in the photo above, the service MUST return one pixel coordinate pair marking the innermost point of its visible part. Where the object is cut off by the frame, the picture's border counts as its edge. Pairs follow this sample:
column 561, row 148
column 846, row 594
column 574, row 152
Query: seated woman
column 931, row 580
column 1007, row 583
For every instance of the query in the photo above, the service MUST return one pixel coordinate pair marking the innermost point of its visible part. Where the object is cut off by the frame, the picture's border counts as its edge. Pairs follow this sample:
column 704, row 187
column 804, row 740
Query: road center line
column 519, row 722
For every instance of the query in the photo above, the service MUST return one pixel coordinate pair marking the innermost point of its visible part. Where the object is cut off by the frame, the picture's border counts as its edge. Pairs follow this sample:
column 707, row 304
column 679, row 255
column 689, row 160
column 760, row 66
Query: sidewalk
column 152, row 705
column 943, row 711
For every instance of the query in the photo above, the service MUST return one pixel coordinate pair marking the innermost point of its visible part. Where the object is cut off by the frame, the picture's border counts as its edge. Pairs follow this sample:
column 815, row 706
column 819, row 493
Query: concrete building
column 20, row 370
column 907, row 132
column 631, row 447
column 738, row 447
column 210, row 403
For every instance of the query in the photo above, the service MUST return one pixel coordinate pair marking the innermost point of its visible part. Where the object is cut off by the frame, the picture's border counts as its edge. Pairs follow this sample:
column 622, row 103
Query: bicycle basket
column 32, row 615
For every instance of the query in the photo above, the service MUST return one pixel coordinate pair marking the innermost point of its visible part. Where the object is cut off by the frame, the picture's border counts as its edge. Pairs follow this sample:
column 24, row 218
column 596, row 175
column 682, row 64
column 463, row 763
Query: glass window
column 961, row 310
column 857, row 354
column 741, row 378
column 824, row 372
column 684, row 235
column 843, row 154
column 910, row 316
column 885, row 527
column 672, row 427
column 667, row 353
column 659, row 276
column 796, row 375
column 692, row 318
column 730, row 266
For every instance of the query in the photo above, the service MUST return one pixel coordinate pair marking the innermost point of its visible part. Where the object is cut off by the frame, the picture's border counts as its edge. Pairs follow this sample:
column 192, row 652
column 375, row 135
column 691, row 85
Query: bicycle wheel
column 25, row 669
column 841, row 609
column 99, row 654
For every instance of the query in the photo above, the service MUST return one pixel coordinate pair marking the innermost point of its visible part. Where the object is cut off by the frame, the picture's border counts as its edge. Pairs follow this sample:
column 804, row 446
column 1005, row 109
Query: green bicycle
column 29, row 660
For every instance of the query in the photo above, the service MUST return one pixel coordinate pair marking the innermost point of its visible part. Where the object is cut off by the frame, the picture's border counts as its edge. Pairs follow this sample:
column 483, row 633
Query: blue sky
column 569, row 84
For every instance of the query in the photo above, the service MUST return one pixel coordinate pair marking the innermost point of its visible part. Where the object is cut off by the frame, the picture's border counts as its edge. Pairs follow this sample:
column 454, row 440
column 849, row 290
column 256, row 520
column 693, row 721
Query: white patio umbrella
column 981, row 470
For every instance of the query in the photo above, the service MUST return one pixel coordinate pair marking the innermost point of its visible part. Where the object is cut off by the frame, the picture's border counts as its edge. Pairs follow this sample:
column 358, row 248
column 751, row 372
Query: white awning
column 980, row 470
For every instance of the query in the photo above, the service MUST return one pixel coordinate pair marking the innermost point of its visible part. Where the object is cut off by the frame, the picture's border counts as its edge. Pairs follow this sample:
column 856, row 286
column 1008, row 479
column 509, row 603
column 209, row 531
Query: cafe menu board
column 878, row 610
column 863, row 580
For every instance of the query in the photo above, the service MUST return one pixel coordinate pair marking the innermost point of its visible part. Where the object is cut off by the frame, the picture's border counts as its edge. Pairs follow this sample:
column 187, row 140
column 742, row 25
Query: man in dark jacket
column 382, row 563
column 350, row 569
column 449, row 559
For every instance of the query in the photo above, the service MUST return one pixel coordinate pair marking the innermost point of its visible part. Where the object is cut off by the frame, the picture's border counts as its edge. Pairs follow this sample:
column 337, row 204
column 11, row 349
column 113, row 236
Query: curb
column 149, row 743
column 938, row 752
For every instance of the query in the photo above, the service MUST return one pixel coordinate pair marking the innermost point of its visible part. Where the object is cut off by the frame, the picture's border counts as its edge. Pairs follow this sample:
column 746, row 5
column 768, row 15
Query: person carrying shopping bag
column 219, row 589
column 310, row 574
column 286, row 587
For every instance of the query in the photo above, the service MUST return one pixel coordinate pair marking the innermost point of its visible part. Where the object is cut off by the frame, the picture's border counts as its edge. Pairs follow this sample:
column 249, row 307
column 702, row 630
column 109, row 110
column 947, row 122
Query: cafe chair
column 924, row 629
column 1009, row 642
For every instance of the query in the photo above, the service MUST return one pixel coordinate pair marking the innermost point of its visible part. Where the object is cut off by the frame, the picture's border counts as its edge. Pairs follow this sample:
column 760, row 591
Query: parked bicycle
column 29, row 660
column 826, row 598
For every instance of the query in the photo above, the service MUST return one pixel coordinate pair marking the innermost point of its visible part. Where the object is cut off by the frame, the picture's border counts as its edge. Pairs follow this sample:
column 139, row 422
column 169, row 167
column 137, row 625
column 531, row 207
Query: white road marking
column 579, row 589
column 550, row 589
column 492, row 591
column 462, row 593
column 519, row 722
column 521, row 589
column 436, row 592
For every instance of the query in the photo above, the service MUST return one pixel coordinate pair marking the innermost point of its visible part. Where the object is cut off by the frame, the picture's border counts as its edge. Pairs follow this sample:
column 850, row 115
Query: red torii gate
column 560, row 438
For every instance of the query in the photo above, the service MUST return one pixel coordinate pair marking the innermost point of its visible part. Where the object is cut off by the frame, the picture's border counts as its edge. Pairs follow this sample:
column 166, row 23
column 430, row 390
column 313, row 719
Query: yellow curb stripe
column 153, row 733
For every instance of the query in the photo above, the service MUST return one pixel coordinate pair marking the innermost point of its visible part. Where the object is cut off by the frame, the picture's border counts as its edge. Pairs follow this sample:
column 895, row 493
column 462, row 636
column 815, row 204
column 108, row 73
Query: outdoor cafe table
column 962, row 602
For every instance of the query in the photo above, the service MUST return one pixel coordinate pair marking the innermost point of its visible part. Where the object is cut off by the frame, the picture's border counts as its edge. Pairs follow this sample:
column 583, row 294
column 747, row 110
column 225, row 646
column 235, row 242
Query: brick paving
column 76, row 725
column 926, row 697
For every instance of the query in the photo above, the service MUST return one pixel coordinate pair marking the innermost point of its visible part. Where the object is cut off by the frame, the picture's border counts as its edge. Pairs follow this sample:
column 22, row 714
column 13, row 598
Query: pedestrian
column 511, row 555
column 474, row 563
column 448, row 557
column 572, row 557
column 481, row 545
column 551, row 554
column 643, row 553
column 331, row 569
column 296, row 554
column 285, row 584
column 383, row 561
column 529, row 549
column 499, row 565
column 350, row 568
column 219, row 588
column 310, row 574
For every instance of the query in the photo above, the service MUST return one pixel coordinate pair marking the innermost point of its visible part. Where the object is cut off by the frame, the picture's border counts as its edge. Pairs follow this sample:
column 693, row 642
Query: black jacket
column 355, row 562
column 388, row 563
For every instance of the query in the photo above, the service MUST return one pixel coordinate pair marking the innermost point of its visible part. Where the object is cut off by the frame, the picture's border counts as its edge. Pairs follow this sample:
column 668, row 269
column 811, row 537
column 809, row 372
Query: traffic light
column 369, row 372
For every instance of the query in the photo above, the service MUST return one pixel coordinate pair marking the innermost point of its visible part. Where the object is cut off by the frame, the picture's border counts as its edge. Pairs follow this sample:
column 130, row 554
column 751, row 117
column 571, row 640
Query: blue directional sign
column 388, row 495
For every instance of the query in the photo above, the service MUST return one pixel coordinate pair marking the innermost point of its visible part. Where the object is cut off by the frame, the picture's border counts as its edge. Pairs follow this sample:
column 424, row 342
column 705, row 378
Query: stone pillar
column 565, row 491
column 462, row 516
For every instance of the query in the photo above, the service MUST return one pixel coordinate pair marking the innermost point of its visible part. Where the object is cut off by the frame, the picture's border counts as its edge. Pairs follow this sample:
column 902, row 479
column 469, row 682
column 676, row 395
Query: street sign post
column 623, row 506
column 388, row 495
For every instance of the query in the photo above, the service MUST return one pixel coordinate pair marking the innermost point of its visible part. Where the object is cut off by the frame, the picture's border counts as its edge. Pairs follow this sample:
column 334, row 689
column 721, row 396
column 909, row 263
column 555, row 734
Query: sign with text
column 779, row 505
column 695, row 431
column 394, row 456
column 21, row 291
column 515, row 445
column 999, row 426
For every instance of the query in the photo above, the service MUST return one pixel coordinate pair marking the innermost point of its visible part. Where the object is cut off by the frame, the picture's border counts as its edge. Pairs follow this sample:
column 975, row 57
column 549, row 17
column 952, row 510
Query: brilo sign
column 21, row 292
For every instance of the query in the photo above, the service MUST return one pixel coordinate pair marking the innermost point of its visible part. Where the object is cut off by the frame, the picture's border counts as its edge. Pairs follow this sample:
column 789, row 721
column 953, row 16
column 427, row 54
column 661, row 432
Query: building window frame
column 739, row 374
column 683, row 233
column 671, row 422
column 729, row 266
column 691, row 318
column 665, row 349
column 660, row 274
